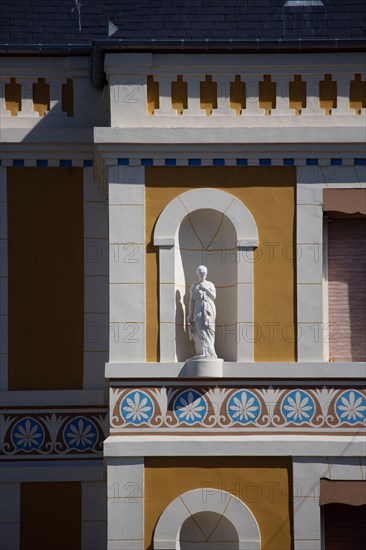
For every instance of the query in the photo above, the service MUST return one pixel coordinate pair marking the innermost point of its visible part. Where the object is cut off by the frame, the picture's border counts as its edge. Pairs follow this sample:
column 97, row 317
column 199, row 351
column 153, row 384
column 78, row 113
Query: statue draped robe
column 202, row 314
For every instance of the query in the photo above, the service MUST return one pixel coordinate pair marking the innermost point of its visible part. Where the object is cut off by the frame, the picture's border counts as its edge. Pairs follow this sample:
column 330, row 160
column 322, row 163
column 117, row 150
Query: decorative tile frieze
column 247, row 410
column 50, row 433
column 69, row 163
column 61, row 163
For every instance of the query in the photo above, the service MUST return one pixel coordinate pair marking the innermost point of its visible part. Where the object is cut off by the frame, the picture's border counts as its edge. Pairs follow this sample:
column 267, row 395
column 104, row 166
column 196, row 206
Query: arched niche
column 207, row 237
column 213, row 228
column 206, row 519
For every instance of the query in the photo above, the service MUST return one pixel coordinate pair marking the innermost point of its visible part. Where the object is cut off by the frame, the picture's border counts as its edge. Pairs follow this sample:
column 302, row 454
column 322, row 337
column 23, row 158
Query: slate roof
column 83, row 21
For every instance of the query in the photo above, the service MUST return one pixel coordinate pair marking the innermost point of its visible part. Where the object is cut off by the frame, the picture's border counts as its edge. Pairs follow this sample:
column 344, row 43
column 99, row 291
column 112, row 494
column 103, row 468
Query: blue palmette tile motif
column 27, row 434
column 244, row 407
column 298, row 406
column 351, row 407
column 137, row 408
column 48, row 433
column 190, row 407
column 210, row 409
column 80, row 433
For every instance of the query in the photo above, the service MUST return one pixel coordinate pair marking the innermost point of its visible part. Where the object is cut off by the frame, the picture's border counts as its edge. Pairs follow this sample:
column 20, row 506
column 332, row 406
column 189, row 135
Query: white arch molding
column 199, row 503
column 173, row 214
column 166, row 235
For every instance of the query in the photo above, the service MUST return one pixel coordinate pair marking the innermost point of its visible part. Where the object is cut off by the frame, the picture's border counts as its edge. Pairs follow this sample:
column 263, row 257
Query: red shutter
column 344, row 527
column 347, row 288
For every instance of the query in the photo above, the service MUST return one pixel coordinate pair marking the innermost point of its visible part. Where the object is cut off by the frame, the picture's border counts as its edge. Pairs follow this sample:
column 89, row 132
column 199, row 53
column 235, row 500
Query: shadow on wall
column 73, row 105
column 184, row 347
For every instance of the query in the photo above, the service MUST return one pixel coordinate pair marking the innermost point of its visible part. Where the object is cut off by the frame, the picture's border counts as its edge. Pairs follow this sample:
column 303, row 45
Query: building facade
column 137, row 144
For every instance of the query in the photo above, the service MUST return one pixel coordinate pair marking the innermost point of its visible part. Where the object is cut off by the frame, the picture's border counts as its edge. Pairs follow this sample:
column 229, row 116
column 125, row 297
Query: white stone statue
column 202, row 316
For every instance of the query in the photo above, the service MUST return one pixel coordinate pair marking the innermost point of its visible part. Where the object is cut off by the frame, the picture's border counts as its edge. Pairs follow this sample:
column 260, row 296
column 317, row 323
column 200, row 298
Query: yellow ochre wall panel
column 46, row 278
column 269, row 193
column 261, row 483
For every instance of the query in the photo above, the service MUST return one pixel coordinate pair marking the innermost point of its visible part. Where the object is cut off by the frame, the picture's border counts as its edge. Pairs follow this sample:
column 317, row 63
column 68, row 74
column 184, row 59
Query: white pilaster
column 309, row 258
column 167, row 327
column 306, row 479
column 94, row 515
column 3, row 282
column 126, row 263
column 245, row 304
column 10, row 516
column 125, row 479
column 95, row 282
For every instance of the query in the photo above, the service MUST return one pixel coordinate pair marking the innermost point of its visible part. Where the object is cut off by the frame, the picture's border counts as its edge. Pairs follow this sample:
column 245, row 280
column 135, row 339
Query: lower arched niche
column 209, row 520
column 208, row 531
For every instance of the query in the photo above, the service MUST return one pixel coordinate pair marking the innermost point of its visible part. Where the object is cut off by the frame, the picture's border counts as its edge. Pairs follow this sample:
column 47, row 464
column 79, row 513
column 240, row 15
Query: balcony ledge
column 247, row 371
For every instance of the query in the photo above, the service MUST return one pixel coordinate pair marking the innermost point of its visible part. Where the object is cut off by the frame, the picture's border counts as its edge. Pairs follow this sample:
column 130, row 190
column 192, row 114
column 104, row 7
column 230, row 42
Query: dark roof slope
column 82, row 21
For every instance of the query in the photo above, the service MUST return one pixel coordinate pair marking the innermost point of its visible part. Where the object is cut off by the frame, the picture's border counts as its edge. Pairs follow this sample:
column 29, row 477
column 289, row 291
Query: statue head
column 201, row 272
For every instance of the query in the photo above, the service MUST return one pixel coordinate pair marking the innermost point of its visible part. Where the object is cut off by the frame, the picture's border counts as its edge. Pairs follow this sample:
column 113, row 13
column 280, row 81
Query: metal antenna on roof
column 78, row 9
